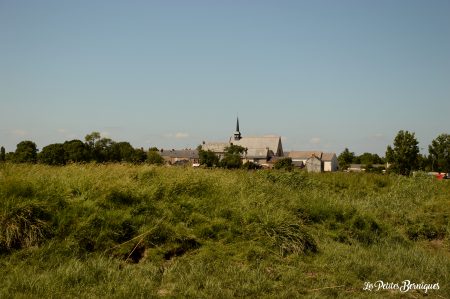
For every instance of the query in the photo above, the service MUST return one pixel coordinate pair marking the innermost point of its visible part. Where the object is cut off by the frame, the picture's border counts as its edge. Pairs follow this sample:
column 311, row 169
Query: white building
column 329, row 160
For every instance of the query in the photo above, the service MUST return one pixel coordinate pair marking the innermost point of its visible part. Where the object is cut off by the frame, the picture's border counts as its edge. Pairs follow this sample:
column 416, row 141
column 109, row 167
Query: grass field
column 124, row 231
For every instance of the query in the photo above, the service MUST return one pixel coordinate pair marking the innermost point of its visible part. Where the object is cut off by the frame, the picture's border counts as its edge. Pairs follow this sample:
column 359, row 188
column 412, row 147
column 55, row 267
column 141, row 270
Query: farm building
column 257, row 149
column 265, row 150
column 216, row 147
column 180, row 157
column 329, row 160
column 314, row 164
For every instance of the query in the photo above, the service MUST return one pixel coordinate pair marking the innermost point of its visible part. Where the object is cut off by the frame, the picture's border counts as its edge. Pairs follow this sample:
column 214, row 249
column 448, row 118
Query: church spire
column 237, row 134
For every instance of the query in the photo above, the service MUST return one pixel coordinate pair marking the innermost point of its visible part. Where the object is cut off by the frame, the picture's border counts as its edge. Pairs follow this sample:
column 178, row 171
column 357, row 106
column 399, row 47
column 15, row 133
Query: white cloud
column 178, row 135
column 105, row 134
column 378, row 136
column 314, row 140
column 181, row 135
column 62, row 131
column 19, row 132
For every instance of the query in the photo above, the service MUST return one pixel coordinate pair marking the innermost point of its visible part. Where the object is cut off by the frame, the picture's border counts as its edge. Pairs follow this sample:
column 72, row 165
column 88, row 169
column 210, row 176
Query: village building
column 180, row 157
column 328, row 160
column 258, row 150
column 262, row 150
column 314, row 164
column 216, row 147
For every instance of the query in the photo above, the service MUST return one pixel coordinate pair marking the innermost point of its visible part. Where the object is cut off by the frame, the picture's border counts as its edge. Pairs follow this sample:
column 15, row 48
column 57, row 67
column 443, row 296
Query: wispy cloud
column 181, row 135
column 62, row 131
column 315, row 140
column 178, row 135
column 19, row 132
column 105, row 134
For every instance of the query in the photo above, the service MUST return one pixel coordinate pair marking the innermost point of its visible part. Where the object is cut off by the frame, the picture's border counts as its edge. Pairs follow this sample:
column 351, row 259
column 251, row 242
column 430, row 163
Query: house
column 300, row 157
column 257, row 149
column 216, row 147
column 258, row 156
column 329, row 160
column 314, row 164
column 364, row 167
column 263, row 143
column 180, row 157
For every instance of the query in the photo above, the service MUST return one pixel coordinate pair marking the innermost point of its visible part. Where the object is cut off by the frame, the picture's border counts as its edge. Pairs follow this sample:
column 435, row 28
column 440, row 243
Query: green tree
column 52, row 154
column 121, row 151
column 138, row 156
column 76, row 151
column 345, row 159
column 2, row 154
column 208, row 158
column 389, row 154
column 153, row 157
column 99, row 148
column 9, row 156
column 439, row 151
column 26, row 152
column 368, row 158
column 404, row 154
column 232, row 157
column 284, row 163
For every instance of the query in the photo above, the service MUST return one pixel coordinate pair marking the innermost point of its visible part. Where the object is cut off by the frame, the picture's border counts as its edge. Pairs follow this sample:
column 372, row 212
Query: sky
column 324, row 75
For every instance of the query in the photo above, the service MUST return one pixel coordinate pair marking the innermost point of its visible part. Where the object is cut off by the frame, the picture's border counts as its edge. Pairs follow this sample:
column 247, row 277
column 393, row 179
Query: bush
column 284, row 163
column 23, row 226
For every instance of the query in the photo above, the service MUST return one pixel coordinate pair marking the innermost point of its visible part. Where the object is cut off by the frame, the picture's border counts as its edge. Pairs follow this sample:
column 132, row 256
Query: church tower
column 237, row 134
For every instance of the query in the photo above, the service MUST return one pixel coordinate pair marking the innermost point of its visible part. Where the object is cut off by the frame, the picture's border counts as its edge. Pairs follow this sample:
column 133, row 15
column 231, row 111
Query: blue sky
column 323, row 75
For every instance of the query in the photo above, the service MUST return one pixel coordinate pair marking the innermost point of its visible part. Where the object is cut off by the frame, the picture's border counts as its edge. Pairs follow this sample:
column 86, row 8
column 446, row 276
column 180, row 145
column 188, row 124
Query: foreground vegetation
column 114, row 231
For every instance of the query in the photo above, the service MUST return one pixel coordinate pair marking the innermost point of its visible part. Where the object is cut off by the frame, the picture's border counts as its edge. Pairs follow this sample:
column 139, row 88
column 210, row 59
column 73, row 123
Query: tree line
column 95, row 148
column 403, row 157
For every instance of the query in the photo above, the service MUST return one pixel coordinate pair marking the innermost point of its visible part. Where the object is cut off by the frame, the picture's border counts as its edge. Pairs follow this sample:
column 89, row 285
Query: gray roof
column 217, row 147
column 272, row 143
column 328, row 156
column 187, row 154
column 257, row 153
column 304, row 155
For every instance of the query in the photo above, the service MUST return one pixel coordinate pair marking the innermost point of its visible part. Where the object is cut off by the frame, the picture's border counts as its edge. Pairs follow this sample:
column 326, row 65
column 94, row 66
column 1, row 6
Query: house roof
column 328, row 156
column 257, row 153
column 187, row 154
column 217, row 147
column 312, row 159
column 304, row 154
column 272, row 143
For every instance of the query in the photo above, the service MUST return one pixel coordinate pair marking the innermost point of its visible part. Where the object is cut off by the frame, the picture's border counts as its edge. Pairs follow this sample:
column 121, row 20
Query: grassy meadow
column 125, row 231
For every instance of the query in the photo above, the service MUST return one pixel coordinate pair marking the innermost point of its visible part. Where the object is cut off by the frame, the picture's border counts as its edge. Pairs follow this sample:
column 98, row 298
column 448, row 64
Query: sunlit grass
column 114, row 231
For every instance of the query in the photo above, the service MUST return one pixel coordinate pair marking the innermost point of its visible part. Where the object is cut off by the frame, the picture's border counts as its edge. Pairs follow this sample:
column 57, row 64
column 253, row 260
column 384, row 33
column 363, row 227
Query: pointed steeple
column 237, row 134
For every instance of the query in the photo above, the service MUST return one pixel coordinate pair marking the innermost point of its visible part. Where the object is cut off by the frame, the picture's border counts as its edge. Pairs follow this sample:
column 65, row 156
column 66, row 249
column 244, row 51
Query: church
column 261, row 150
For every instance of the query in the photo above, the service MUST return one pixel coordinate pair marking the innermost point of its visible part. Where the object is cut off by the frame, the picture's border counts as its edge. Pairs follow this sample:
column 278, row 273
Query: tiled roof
column 188, row 154
column 328, row 156
column 271, row 142
column 217, row 147
column 257, row 153
column 304, row 154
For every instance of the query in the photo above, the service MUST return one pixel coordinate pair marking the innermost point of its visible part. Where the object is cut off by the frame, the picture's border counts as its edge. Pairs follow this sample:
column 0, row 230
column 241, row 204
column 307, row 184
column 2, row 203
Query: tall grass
column 118, row 230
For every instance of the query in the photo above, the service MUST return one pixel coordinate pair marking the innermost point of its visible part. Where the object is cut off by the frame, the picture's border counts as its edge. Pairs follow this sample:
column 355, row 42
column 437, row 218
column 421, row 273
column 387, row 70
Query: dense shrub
column 24, row 225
